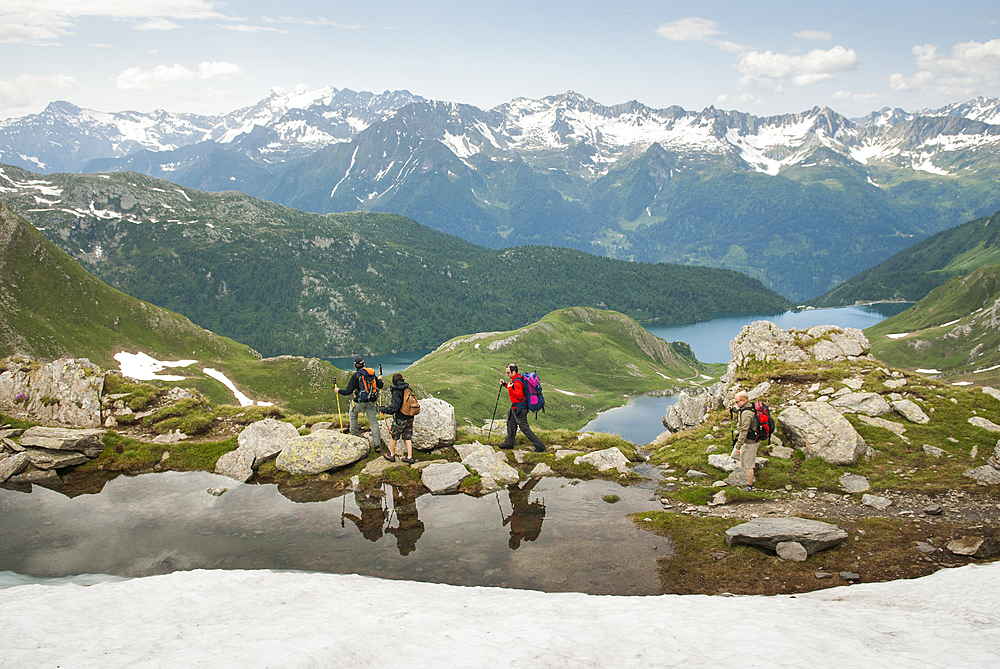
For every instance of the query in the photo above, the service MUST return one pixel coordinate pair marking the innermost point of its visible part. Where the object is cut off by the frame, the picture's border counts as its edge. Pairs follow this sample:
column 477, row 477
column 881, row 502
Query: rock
column 978, row 547
column 994, row 460
column 854, row 483
column 488, row 485
column 822, row 575
column 894, row 383
column 695, row 474
column 442, row 479
column 65, row 439
column 727, row 464
column 820, row 431
column 853, row 383
column 44, row 458
column 322, row 425
column 782, row 452
column 933, row 510
column 896, row 428
column 718, row 499
column 876, row 502
column 67, row 391
column 435, row 426
column 850, row 576
column 791, row 550
column 933, row 451
column 911, row 412
column 992, row 392
column 488, row 463
column 566, row 452
column 870, row 404
column 926, row 548
column 266, row 438
column 217, row 492
column 172, row 437
column 609, row 458
column 711, row 449
column 540, row 470
column 975, row 420
column 984, row 475
column 737, row 479
column 689, row 410
column 12, row 465
column 10, row 433
column 379, row 465
column 321, row 451
column 39, row 476
column 813, row 535
column 236, row 464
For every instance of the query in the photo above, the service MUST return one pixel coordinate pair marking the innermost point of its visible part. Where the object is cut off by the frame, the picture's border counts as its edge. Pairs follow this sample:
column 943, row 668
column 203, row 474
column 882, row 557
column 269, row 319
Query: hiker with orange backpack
column 364, row 385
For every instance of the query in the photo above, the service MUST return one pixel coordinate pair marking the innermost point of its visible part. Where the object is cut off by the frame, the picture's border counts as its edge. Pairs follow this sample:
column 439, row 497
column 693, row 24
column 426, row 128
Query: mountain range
column 801, row 201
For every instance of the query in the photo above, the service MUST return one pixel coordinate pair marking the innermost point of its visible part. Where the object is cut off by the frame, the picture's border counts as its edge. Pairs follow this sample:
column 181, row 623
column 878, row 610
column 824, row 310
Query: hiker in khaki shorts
column 746, row 450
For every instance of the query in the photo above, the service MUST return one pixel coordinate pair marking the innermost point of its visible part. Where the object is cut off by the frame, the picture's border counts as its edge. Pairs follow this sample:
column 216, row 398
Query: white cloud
column 41, row 20
column 775, row 69
column 138, row 79
column 158, row 24
column 972, row 68
column 318, row 21
column 814, row 35
column 696, row 29
column 26, row 93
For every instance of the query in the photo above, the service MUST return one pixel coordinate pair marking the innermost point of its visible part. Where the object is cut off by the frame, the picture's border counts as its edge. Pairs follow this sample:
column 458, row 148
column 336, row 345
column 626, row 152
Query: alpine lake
column 550, row 534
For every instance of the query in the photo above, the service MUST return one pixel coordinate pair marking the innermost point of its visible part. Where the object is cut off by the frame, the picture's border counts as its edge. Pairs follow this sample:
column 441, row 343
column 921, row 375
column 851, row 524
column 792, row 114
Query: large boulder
column 443, row 478
column 435, row 426
column 67, row 391
column 608, row 458
column 869, row 404
column 266, row 438
column 813, row 535
column 820, row 431
column 486, row 462
column 236, row 464
column 688, row 411
column 321, row 451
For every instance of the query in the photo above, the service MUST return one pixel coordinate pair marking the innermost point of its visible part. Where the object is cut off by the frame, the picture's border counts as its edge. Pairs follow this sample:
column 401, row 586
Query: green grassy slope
column 588, row 359
column 955, row 329
column 51, row 307
column 916, row 270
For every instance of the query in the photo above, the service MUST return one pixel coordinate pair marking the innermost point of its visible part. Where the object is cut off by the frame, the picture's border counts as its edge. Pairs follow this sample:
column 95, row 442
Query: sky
column 765, row 58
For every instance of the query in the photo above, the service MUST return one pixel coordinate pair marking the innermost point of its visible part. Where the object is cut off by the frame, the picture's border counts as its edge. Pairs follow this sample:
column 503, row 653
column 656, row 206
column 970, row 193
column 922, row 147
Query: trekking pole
column 339, row 414
column 490, row 433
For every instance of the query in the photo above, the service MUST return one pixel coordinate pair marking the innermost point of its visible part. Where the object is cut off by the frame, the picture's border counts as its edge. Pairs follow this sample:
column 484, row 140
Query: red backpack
column 761, row 427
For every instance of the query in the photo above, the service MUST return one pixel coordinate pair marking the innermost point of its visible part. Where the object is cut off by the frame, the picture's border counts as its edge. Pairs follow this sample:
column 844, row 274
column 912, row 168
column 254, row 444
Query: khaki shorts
column 748, row 455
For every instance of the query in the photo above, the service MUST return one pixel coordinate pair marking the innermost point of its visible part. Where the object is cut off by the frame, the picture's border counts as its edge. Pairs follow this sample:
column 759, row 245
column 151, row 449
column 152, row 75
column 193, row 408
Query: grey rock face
column 813, row 535
column 688, row 411
column 321, row 451
column 44, row 458
column 236, row 464
column 994, row 460
column 65, row 439
column 67, row 391
column 820, row 431
column 984, row 475
column 909, row 410
column 870, row 404
column 266, row 438
column 609, row 458
column 435, row 426
column 895, row 428
column 442, row 479
column 12, row 465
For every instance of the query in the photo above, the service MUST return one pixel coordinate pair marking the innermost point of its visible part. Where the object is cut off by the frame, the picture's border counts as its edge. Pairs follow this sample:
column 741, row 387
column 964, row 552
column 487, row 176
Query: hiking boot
column 539, row 449
column 748, row 488
column 388, row 456
column 408, row 461
column 506, row 447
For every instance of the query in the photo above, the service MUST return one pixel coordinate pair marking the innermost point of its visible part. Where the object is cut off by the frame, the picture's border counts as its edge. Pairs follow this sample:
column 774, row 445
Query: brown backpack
column 411, row 407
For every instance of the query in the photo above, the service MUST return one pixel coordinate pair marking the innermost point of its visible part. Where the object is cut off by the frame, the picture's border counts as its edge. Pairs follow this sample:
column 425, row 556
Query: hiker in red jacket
column 517, row 417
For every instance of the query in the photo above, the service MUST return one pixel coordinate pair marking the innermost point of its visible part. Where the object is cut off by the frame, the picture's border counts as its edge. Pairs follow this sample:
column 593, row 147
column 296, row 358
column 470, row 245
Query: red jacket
column 516, row 390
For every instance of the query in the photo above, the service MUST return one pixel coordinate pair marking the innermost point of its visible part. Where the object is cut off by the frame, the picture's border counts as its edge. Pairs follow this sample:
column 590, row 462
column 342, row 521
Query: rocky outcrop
column 435, row 426
column 764, row 341
column 48, row 449
column 988, row 474
column 820, row 431
column 67, row 391
column 689, row 410
column 812, row 535
column 321, row 451
column 869, row 404
column 258, row 443
column 488, row 463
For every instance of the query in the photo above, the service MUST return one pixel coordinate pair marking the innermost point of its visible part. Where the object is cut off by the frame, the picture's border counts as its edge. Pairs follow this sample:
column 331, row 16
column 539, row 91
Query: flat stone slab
column 45, row 458
column 909, row 410
column 978, row 421
column 876, row 502
column 767, row 533
column 64, row 439
column 609, row 458
column 489, row 464
column 442, row 479
column 854, row 483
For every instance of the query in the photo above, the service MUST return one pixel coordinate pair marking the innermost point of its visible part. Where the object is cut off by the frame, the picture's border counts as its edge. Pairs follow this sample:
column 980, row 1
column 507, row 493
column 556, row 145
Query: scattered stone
column 10, row 433
column 378, row 466
column 984, row 475
column 266, row 438
column 911, row 412
column 45, row 458
column 435, row 426
column 813, row 535
column 695, row 474
column 782, row 452
column 720, row 484
column 933, row 510
column 236, row 464
column 711, row 449
column 894, row 383
column 853, row 383
column 171, row 437
column 791, row 550
column 974, row 452
column 322, row 425
column 978, row 547
column 926, row 548
column 542, row 469
column 88, row 441
column 718, row 499
column 933, row 451
column 608, row 458
column 850, row 576
column 876, row 502
column 975, row 420
column 442, row 479
column 485, row 461
column 566, row 452
column 822, row 575
column 854, row 483
column 216, row 492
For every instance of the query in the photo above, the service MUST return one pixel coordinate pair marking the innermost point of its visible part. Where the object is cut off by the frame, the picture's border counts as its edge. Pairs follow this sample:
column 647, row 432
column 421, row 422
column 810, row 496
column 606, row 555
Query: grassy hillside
column 288, row 282
column 51, row 307
column 955, row 329
column 588, row 359
column 916, row 270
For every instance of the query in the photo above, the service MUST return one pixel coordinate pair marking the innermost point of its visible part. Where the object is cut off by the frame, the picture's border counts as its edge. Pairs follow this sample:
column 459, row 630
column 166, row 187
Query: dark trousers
column 518, row 418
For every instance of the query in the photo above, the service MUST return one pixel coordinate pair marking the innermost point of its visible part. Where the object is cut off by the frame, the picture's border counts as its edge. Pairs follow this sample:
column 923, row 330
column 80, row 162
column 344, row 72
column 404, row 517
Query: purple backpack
column 535, row 400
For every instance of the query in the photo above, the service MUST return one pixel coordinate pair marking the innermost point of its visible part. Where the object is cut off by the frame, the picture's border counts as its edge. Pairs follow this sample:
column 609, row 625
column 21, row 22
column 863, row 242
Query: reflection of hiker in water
column 373, row 516
column 525, row 517
column 410, row 527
